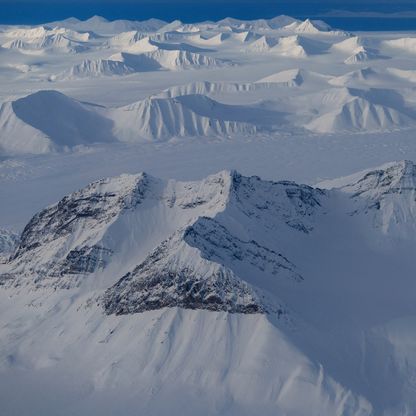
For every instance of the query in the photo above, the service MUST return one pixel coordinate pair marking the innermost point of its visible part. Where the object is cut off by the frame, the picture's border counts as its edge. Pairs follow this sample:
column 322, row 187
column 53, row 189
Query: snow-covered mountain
column 42, row 39
column 363, row 55
column 350, row 109
column 294, row 46
column 295, row 78
column 366, row 76
column 139, row 46
column 50, row 121
column 408, row 75
column 211, row 88
column 262, row 44
column 309, row 26
column 256, row 25
column 285, row 52
column 215, row 40
column 185, row 115
column 212, row 294
column 289, row 78
column 386, row 194
column 103, row 26
column 359, row 50
column 95, row 68
column 125, row 39
column 313, row 27
column 184, row 59
column 246, row 36
column 82, row 234
column 125, row 63
column 350, row 44
column 406, row 45
column 139, row 259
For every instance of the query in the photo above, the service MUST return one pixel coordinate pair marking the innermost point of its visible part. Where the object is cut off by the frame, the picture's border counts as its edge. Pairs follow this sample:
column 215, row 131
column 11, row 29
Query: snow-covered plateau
column 210, row 218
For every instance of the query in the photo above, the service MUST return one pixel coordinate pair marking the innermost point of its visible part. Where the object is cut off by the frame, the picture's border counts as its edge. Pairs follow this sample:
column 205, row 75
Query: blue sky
column 37, row 11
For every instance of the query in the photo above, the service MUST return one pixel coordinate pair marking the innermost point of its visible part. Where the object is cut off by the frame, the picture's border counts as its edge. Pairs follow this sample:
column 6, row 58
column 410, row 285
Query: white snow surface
column 192, row 288
column 250, row 234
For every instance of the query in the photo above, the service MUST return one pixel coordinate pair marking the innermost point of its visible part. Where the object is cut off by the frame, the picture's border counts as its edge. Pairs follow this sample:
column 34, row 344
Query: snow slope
column 364, row 76
column 94, row 68
column 125, row 39
column 49, row 121
column 207, row 88
column 182, row 281
column 352, row 109
column 350, row 45
column 386, row 194
column 295, row 78
column 43, row 39
column 297, row 46
column 290, row 78
column 309, row 27
column 246, row 36
column 217, row 294
column 408, row 75
column 262, row 44
column 362, row 55
column 140, row 45
column 189, row 115
column 183, row 59
column 215, row 40
column 403, row 44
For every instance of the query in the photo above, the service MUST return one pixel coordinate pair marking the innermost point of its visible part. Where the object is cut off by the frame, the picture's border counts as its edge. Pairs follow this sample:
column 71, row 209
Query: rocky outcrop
column 167, row 279
column 386, row 196
column 61, row 243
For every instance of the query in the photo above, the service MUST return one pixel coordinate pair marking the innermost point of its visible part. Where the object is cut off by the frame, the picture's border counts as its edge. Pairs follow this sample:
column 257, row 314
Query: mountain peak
column 387, row 193
column 393, row 177
column 97, row 19
column 120, row 220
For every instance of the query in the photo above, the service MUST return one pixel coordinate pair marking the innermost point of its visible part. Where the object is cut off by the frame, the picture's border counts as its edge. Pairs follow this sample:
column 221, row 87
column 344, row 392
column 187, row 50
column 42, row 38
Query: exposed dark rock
column 85, row 260
column 165, row 280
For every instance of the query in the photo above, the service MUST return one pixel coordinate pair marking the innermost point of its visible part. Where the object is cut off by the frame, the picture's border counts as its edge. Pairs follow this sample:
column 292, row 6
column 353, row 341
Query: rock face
column 59, row 245
column 169, row 278
column 395, row 178
column 188, row 271
column 215, row 242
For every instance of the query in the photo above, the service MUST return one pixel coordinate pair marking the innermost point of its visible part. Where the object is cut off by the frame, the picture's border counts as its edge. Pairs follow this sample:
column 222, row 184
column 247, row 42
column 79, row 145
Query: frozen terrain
column 213, row 218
